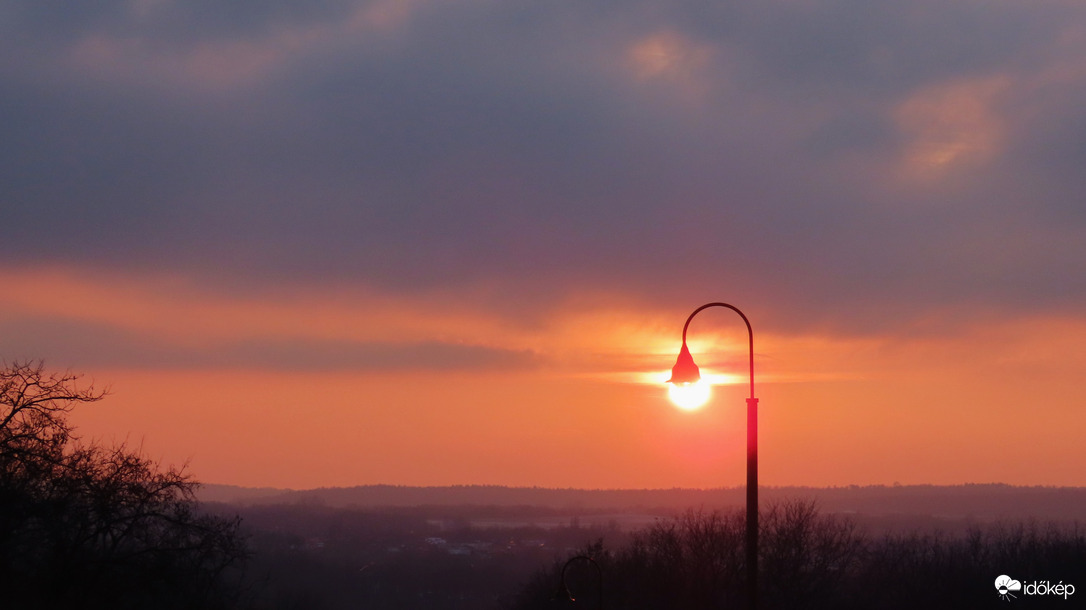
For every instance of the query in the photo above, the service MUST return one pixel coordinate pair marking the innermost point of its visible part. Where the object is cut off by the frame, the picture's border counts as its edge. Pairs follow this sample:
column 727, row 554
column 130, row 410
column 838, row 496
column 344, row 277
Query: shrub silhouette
column 938, row 571
column 808, row 560
column 696, row 560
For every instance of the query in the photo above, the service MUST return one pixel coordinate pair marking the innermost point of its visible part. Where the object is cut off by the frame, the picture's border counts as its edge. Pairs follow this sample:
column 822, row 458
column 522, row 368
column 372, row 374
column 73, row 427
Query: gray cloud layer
column 84, row 344
column 754, row 155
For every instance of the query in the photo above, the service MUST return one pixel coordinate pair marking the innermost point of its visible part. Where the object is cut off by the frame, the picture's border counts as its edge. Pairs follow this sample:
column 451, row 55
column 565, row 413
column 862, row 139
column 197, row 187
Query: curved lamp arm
column 685, row 371
column 564, row 593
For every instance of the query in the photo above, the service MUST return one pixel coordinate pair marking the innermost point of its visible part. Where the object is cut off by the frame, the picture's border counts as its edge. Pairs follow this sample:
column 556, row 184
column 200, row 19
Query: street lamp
column 564, row 594
column 686, row 373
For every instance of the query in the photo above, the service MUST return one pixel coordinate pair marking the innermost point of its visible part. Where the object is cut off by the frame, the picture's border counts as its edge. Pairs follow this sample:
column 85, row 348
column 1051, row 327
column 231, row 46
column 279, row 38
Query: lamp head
column 684, row 371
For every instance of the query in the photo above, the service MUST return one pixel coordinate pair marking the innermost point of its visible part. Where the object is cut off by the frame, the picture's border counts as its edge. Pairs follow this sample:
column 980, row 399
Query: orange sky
column 985, row 403
column 378, row 241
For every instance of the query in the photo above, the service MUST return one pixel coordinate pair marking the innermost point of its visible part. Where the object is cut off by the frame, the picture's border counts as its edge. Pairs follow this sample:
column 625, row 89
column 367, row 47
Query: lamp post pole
column 686, row 372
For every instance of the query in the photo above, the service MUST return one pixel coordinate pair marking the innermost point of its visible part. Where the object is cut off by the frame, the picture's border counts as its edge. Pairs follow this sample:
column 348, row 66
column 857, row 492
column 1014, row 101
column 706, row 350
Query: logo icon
column 1005, row 585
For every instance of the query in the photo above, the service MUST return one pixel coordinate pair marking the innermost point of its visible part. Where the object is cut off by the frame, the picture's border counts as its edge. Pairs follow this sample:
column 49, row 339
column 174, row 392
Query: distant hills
column 982, row 502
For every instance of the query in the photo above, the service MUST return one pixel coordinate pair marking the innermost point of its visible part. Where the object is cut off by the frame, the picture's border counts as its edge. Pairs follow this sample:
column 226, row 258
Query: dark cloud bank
column 519, row 145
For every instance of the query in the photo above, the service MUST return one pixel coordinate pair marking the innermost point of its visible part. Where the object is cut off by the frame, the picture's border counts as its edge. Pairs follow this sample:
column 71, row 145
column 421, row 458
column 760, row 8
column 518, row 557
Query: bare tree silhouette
column 92, row 526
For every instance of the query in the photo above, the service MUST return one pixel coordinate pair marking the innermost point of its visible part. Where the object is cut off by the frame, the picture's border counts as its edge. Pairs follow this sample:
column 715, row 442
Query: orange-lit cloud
column 672, row 60
column 221, row 64
column 667, row 54
column 951, row 125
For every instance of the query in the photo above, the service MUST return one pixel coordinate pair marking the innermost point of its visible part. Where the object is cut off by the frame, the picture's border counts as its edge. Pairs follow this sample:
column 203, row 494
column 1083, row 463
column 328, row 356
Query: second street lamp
column 686, row 373
column 564, row 593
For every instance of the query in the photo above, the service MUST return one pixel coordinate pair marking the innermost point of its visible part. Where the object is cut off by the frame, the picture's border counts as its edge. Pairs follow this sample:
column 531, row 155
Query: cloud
column 116, row 320
column 90, row 345
column 842, row 164
column 949, row 126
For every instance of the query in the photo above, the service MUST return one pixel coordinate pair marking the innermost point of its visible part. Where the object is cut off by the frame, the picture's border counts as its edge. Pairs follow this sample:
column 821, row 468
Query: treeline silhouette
column 809, row 560
column 88, row 526
column 980, row 501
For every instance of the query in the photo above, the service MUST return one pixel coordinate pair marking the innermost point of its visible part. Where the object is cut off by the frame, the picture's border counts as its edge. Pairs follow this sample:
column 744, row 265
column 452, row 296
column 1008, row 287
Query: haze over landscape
column 341, row 243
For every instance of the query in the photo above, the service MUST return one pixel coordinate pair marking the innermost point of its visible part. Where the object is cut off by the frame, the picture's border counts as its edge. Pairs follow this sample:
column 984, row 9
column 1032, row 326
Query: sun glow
column 689, row 396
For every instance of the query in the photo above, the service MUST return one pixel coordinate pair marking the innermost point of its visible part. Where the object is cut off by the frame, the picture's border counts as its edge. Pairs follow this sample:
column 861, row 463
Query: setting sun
column 689, row 396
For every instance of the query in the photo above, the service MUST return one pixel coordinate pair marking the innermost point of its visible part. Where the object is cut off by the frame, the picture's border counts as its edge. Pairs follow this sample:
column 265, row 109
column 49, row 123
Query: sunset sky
column 331, row 242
